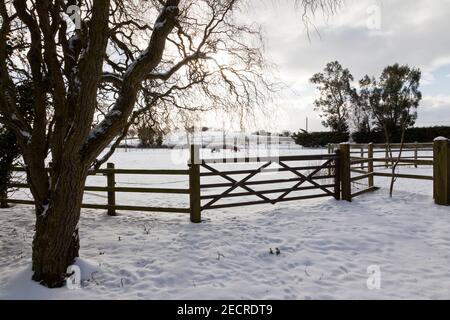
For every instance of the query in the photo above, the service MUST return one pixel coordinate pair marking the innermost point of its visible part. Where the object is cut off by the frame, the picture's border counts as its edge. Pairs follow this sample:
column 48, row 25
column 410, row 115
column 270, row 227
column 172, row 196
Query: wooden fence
column 331, row 177
column 368, row 159
column 317, row 176
column 111, row 189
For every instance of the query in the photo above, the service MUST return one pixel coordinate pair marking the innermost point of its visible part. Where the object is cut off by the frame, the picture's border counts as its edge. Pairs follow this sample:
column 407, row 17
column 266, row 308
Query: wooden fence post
column 224, row 144
column 415, row 154
column 387, row 155
column 194, row 185
column 111, row 183
column 362, row 156
column 345, row 172
column 329, row 152
column 370, row 164
column 337, row 176
column 441, row 171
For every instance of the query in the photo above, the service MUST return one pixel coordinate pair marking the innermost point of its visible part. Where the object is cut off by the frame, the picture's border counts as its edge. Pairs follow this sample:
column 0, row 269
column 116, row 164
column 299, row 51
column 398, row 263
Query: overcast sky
column 408, row 32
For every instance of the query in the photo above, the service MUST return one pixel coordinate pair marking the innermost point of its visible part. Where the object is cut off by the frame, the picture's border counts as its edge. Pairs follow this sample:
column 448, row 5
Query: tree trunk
column 56, row 241
column 395, row 165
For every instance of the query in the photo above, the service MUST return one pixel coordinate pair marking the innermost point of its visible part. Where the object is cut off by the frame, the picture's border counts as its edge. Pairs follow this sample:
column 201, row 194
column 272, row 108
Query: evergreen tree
column 335, row 98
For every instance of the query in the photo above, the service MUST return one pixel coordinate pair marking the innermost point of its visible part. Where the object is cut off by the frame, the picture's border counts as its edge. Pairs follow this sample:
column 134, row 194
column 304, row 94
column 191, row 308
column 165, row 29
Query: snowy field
column 326, row 246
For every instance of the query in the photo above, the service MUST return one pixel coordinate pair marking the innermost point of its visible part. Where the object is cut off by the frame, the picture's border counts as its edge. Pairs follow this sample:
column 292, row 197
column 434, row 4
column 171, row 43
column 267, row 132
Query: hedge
column 425, row 134
column 322, row 139
column 319, row 139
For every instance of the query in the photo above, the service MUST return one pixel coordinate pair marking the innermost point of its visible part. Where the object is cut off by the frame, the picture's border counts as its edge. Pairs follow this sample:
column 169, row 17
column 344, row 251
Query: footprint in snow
column 343, row 269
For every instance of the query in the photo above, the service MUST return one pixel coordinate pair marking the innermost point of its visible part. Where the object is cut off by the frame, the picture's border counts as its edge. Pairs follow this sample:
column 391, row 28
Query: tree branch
column 148, row 60
column 166, row 75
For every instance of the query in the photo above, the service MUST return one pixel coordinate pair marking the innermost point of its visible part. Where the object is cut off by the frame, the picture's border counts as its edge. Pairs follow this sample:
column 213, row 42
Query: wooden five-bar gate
column 317, row 177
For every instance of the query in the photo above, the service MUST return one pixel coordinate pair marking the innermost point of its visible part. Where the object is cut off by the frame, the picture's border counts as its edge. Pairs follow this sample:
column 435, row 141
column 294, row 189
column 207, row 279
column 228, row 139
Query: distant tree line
column 423, row 134
column 321, row 139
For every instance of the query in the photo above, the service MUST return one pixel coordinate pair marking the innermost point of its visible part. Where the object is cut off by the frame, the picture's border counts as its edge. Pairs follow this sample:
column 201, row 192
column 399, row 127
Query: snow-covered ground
column 216, row 138
column 326, row 246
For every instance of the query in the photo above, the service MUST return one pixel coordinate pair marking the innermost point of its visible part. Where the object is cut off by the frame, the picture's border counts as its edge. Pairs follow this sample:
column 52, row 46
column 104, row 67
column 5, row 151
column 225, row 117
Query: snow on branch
column 100, row 129
column 113, row 78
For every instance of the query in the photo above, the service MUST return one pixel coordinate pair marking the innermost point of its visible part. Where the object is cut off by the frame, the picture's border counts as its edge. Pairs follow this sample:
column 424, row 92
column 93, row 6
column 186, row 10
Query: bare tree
column 92, row 81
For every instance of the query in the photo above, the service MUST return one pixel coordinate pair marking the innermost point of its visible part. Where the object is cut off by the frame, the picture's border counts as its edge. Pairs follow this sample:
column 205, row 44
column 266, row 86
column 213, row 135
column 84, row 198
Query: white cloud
column 434, row 110
column 438, row 101
column 414, row 33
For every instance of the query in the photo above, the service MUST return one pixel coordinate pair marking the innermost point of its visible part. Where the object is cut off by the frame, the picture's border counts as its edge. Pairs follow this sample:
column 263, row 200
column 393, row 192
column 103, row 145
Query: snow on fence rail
column 331, row 177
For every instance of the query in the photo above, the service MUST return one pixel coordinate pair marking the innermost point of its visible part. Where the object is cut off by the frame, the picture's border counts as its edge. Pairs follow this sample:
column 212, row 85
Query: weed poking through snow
column 277, row 251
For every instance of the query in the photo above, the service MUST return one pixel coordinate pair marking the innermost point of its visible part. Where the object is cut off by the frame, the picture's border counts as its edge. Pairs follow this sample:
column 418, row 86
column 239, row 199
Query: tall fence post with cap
column 345, row 173
column 441, row 171
column 111, row 183
column 194, row 185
